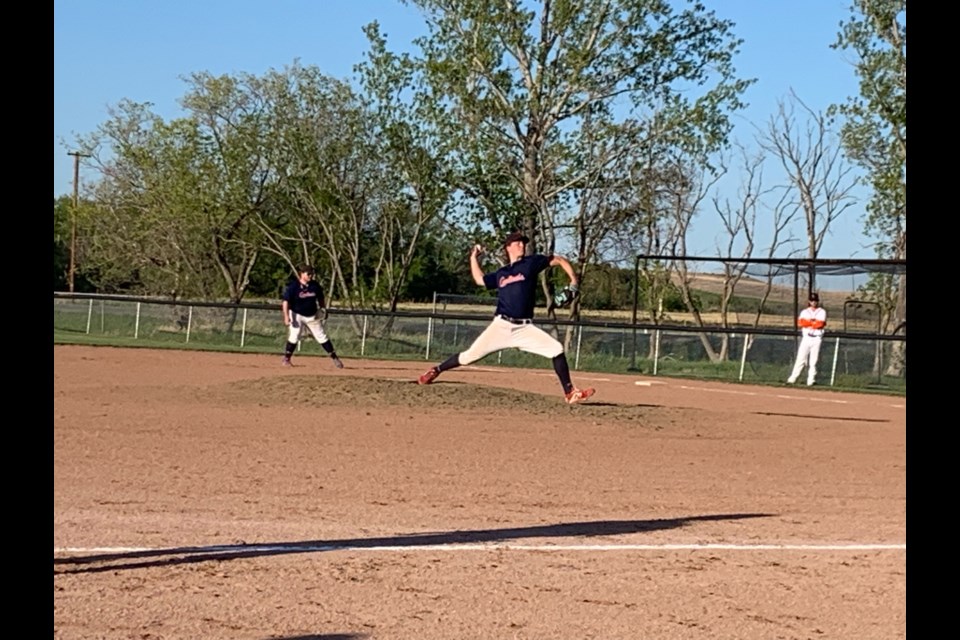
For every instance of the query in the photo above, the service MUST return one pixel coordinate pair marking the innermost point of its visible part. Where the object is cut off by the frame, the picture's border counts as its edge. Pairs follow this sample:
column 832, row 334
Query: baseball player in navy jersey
column 812, row 321
column 303, row 305
column 512, row 325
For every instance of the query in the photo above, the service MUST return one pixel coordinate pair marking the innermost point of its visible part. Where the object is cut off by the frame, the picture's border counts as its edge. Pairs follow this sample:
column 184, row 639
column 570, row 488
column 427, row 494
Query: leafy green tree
column 875, row 131
column 332, row 187
column 174, row 203
column 293, row 163
column 237, row 177
column 531, row 90
column 132, row 238
column 61, row 242
column 439, row 267
column 547, row 103
column 416, row 182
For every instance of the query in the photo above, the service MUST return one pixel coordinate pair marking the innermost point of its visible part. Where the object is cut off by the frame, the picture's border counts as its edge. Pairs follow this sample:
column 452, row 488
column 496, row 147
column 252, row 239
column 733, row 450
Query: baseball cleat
column 428, row 376
column 579, row 395
column 337, row 363
column 286, row 362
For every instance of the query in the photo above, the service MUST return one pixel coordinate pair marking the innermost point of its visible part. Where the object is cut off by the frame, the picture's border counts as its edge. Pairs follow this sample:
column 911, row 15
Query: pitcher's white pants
column 501, row 334
column 807, row 355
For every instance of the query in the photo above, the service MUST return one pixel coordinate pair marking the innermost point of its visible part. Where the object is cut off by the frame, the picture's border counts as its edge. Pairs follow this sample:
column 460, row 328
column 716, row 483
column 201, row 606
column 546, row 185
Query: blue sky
column 108, row 50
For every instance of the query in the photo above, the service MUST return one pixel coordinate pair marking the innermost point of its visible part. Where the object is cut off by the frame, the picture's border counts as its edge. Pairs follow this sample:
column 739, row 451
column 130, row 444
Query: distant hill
column 749, row 287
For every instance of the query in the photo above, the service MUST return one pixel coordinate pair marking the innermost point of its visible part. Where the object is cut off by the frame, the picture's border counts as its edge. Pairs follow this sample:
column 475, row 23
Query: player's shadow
column 187, row 555
column 325, row 636
column 632, row 405
column 819, row 416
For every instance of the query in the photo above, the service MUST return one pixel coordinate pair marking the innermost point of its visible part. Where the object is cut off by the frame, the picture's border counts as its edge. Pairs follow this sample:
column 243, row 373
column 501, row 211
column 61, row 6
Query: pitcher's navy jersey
column 516, row 285
column 304, row 299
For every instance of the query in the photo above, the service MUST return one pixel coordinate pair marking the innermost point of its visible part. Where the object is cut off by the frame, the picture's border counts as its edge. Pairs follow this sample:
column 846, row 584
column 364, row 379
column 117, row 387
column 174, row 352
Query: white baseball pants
column 503, row 334
column 312, row 323
column 807, row 355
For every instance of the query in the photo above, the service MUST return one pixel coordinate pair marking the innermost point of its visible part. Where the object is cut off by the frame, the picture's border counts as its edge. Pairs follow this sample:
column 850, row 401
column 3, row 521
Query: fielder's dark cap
column 814, row 297
column 514, row 236
column 305, row 268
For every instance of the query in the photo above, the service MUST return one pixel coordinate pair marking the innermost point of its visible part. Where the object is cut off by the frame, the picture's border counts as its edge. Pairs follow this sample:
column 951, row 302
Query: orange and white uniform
column 812, row 321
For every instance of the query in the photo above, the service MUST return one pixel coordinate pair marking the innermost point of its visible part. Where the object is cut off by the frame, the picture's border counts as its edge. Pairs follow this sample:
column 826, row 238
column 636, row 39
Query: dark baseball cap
column 514, row 236
column 814, row 297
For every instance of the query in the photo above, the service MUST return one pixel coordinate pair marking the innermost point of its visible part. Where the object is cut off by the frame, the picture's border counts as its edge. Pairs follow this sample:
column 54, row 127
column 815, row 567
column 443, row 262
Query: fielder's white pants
column 501, row 334
column 807, row 355
column 312, row 323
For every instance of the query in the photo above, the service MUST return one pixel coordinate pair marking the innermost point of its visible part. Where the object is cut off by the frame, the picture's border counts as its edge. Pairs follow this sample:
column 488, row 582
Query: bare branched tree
column 817, row 176
column 739, row 217
column 688, row 188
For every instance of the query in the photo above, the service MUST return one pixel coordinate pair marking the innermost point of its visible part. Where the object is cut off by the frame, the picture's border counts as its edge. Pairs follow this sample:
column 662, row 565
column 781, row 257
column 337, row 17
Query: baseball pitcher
column 512, row 325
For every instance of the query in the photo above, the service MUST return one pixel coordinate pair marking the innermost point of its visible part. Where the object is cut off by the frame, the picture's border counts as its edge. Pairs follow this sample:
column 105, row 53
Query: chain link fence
column 848, row 361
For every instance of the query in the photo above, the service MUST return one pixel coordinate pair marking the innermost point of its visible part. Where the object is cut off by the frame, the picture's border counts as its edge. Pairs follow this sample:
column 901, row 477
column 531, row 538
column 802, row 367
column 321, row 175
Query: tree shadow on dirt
column 142, row 559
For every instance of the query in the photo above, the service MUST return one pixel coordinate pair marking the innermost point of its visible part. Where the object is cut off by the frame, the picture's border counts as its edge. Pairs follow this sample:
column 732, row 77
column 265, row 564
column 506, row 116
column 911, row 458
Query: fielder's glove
column 324, row 314
column 566, row 296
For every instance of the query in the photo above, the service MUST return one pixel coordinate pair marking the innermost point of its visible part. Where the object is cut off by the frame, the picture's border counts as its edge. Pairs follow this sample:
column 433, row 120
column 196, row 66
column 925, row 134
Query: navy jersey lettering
column 516, row 285
column 304, row 299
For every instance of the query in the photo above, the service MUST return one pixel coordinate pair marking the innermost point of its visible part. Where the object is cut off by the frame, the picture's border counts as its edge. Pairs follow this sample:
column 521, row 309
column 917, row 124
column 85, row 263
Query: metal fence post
column 363, row 337
column 576, row 362
column 243, row 328
column 189, row 321
column 743, row 357
column 89, row 314
column 656, row 351
column 136, row 324
column 833, row 369
column 429, row 336
column 879, row 359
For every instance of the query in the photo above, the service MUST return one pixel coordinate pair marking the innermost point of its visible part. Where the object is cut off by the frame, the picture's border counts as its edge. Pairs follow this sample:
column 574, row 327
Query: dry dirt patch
column 305, row 390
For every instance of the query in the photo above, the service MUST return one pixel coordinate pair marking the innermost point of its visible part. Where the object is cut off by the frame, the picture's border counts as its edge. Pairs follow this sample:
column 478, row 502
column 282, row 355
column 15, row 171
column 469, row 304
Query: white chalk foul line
column 754, row 393
column 781, row 396
column 296, row 548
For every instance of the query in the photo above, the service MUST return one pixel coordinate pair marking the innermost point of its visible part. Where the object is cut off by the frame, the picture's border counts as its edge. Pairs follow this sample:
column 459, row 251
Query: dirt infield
column 208, row 495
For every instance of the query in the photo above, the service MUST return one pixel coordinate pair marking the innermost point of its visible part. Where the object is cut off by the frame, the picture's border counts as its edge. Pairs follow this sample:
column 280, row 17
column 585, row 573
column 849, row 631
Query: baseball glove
column 324, row 314
column 566, row 296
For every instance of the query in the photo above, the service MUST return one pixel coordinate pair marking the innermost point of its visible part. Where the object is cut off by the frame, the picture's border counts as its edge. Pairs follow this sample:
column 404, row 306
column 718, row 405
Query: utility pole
column 73, row 213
